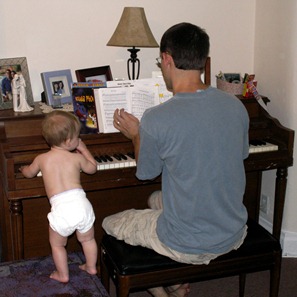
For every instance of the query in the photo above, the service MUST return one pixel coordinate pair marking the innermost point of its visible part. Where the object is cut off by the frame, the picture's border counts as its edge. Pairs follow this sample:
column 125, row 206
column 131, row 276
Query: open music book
column 134, row 96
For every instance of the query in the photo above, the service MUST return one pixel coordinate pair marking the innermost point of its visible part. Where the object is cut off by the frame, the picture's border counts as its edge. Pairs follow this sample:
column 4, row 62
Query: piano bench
column 135, row 268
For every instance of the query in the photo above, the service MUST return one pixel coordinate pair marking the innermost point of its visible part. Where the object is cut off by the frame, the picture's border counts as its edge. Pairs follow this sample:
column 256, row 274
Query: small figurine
column 19, row 94
column 14, row 90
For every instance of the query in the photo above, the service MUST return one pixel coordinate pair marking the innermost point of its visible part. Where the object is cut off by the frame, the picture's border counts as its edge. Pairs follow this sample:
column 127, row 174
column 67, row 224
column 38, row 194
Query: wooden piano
column 24, row 205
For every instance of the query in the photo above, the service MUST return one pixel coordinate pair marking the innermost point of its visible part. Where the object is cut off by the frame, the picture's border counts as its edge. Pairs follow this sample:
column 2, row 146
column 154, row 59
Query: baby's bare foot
column 56, row 276
column 90, row 270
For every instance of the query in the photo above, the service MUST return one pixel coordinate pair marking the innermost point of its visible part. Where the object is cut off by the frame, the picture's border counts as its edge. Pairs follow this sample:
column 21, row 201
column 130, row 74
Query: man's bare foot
column 56, row 276
column 158, row 292
column 182, row 290
column 90, row 270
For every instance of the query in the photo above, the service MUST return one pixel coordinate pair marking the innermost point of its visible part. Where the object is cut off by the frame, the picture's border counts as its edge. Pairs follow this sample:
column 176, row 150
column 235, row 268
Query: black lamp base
column 133, row 62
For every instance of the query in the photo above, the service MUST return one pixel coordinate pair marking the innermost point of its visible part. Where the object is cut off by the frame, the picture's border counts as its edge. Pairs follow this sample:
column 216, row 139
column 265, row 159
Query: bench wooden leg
column 242, row 278
column 104, row 274
column 122, row 289
column 275, row 277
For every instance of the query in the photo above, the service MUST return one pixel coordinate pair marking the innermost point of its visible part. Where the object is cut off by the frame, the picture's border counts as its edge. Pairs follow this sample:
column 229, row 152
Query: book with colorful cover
column 84, row 105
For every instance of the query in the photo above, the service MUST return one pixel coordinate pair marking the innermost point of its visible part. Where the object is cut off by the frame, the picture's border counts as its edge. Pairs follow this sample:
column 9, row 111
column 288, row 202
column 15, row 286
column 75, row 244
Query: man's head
column 188, row 45
column 8, row 73
column 59, row 126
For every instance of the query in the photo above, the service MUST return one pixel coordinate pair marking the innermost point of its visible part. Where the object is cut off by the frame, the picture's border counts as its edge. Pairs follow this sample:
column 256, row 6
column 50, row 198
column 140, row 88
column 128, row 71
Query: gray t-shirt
column 198, row 142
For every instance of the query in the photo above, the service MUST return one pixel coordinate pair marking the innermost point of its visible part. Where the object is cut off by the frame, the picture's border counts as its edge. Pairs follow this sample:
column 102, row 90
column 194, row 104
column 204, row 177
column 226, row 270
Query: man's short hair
column 188, row 45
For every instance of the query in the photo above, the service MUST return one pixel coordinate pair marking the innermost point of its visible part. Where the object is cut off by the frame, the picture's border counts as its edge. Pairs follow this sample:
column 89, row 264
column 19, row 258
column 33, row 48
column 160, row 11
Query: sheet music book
column 133, row 96
column 134, row 100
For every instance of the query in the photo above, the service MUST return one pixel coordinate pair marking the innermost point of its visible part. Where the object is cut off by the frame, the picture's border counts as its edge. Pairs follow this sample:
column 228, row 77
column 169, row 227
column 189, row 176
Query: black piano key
column 131, row 155
column 117, row 156
column 109, row 158
column 123, row 156
column 103, row 158
column 257, row 142
column 98, row 159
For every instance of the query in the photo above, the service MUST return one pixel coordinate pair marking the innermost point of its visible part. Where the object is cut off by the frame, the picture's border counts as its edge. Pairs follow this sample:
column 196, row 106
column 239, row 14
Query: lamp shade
column 133, row 30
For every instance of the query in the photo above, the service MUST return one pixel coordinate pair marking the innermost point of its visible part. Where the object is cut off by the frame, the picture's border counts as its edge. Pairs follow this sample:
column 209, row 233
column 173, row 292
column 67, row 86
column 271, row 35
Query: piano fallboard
column 24, row 153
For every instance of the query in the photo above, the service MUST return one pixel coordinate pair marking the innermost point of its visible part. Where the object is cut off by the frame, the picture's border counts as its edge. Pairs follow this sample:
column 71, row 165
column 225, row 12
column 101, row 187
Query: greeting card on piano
column 134, row 96
column 84, row 105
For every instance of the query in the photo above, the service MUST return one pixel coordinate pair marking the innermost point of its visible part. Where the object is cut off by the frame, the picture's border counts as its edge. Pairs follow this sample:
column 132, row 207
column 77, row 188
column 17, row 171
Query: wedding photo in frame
column 97, row 74
column 18, row 65
column 57, row 87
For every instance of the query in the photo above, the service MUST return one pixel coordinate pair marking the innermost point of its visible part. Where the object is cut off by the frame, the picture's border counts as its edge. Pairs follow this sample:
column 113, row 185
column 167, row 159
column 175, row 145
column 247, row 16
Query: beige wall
column 72, row 34
column 246, row 36
column 276, row 68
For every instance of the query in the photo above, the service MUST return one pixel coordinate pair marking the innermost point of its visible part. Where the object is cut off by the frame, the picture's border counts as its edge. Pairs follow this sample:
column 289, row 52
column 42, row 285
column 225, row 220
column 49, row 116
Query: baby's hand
column 81, row 146
column 22, row 168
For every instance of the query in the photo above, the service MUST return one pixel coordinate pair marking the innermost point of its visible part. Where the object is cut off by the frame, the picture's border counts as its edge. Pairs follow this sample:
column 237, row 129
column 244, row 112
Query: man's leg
column 155, row 202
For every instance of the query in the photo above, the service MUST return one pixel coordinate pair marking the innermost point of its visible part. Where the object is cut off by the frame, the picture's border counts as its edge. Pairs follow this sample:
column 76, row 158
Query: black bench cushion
column 136, row 259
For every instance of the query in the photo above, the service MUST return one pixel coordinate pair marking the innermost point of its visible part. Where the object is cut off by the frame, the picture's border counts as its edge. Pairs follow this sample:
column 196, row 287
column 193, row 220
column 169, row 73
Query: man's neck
column 188, row 81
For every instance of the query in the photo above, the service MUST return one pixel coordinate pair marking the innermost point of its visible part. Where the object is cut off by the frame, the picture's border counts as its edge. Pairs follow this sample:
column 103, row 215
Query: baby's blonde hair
column 58, row 126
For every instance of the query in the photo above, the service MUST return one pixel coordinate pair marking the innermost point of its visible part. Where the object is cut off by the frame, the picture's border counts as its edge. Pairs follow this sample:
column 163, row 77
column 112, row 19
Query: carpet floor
column 30, row 278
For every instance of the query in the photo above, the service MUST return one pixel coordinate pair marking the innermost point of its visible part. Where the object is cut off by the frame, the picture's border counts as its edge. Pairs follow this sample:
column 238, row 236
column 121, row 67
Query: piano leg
column 16, row 215
column 279, row 200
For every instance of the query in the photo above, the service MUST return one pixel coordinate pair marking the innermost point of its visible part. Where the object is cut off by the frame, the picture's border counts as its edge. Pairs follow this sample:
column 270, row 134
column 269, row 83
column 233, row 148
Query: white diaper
column 71, row 211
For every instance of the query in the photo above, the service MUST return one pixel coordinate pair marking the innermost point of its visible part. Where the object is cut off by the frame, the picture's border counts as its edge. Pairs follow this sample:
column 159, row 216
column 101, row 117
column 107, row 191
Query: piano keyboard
column 105, row 162
column 115, row 161
column 260, row 146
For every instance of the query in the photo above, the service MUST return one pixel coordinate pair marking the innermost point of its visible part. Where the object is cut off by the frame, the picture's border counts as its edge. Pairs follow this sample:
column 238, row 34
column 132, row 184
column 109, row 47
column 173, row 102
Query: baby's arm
column 90, row 166
column 31, row 170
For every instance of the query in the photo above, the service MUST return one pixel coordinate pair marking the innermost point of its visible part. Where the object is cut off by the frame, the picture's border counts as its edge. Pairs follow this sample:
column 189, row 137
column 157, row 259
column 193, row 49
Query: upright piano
column 24, row 205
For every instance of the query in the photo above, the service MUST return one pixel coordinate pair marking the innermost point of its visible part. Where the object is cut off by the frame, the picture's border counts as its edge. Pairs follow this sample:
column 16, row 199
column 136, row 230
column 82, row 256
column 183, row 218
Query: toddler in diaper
column 71, row 211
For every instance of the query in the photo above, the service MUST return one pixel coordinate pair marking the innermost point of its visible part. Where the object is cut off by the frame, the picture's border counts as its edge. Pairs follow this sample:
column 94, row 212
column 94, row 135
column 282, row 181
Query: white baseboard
column 288, row 239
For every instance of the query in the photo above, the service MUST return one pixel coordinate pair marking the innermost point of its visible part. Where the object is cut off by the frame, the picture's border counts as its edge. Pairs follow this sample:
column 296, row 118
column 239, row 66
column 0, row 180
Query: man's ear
column 168, row 60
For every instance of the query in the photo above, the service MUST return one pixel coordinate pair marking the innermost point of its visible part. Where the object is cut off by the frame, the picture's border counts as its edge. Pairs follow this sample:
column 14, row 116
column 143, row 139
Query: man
column 6, row 86
column 197, row 141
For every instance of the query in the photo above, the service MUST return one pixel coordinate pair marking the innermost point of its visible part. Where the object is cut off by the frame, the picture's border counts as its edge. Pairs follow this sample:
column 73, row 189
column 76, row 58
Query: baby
column 71, row 211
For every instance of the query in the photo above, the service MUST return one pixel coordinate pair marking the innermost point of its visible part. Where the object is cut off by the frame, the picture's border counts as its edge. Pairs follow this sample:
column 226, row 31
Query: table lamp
column 133, row 31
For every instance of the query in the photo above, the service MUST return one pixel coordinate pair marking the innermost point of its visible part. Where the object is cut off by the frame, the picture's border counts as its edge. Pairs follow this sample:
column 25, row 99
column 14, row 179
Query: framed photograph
column 57, row 87
column 97, row 74
column 19, row 66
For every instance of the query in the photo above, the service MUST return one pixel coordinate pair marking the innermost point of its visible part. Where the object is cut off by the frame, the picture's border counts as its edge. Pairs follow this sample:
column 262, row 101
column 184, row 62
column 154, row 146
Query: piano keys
column 114, row 187
column 115, row 161
column 260, row 146
column 120, row 160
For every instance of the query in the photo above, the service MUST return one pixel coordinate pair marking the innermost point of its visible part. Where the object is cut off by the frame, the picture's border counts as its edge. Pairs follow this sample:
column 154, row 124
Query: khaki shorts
column 138, row 227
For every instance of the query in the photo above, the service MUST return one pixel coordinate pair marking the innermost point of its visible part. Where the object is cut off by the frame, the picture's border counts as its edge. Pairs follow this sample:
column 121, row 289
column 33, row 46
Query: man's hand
column 126, row 123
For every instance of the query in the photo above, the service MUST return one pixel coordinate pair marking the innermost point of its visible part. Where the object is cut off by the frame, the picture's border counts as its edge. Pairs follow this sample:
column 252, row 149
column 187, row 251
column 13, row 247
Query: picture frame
column 57, row 87
column 20, row 66
column 96, row 74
